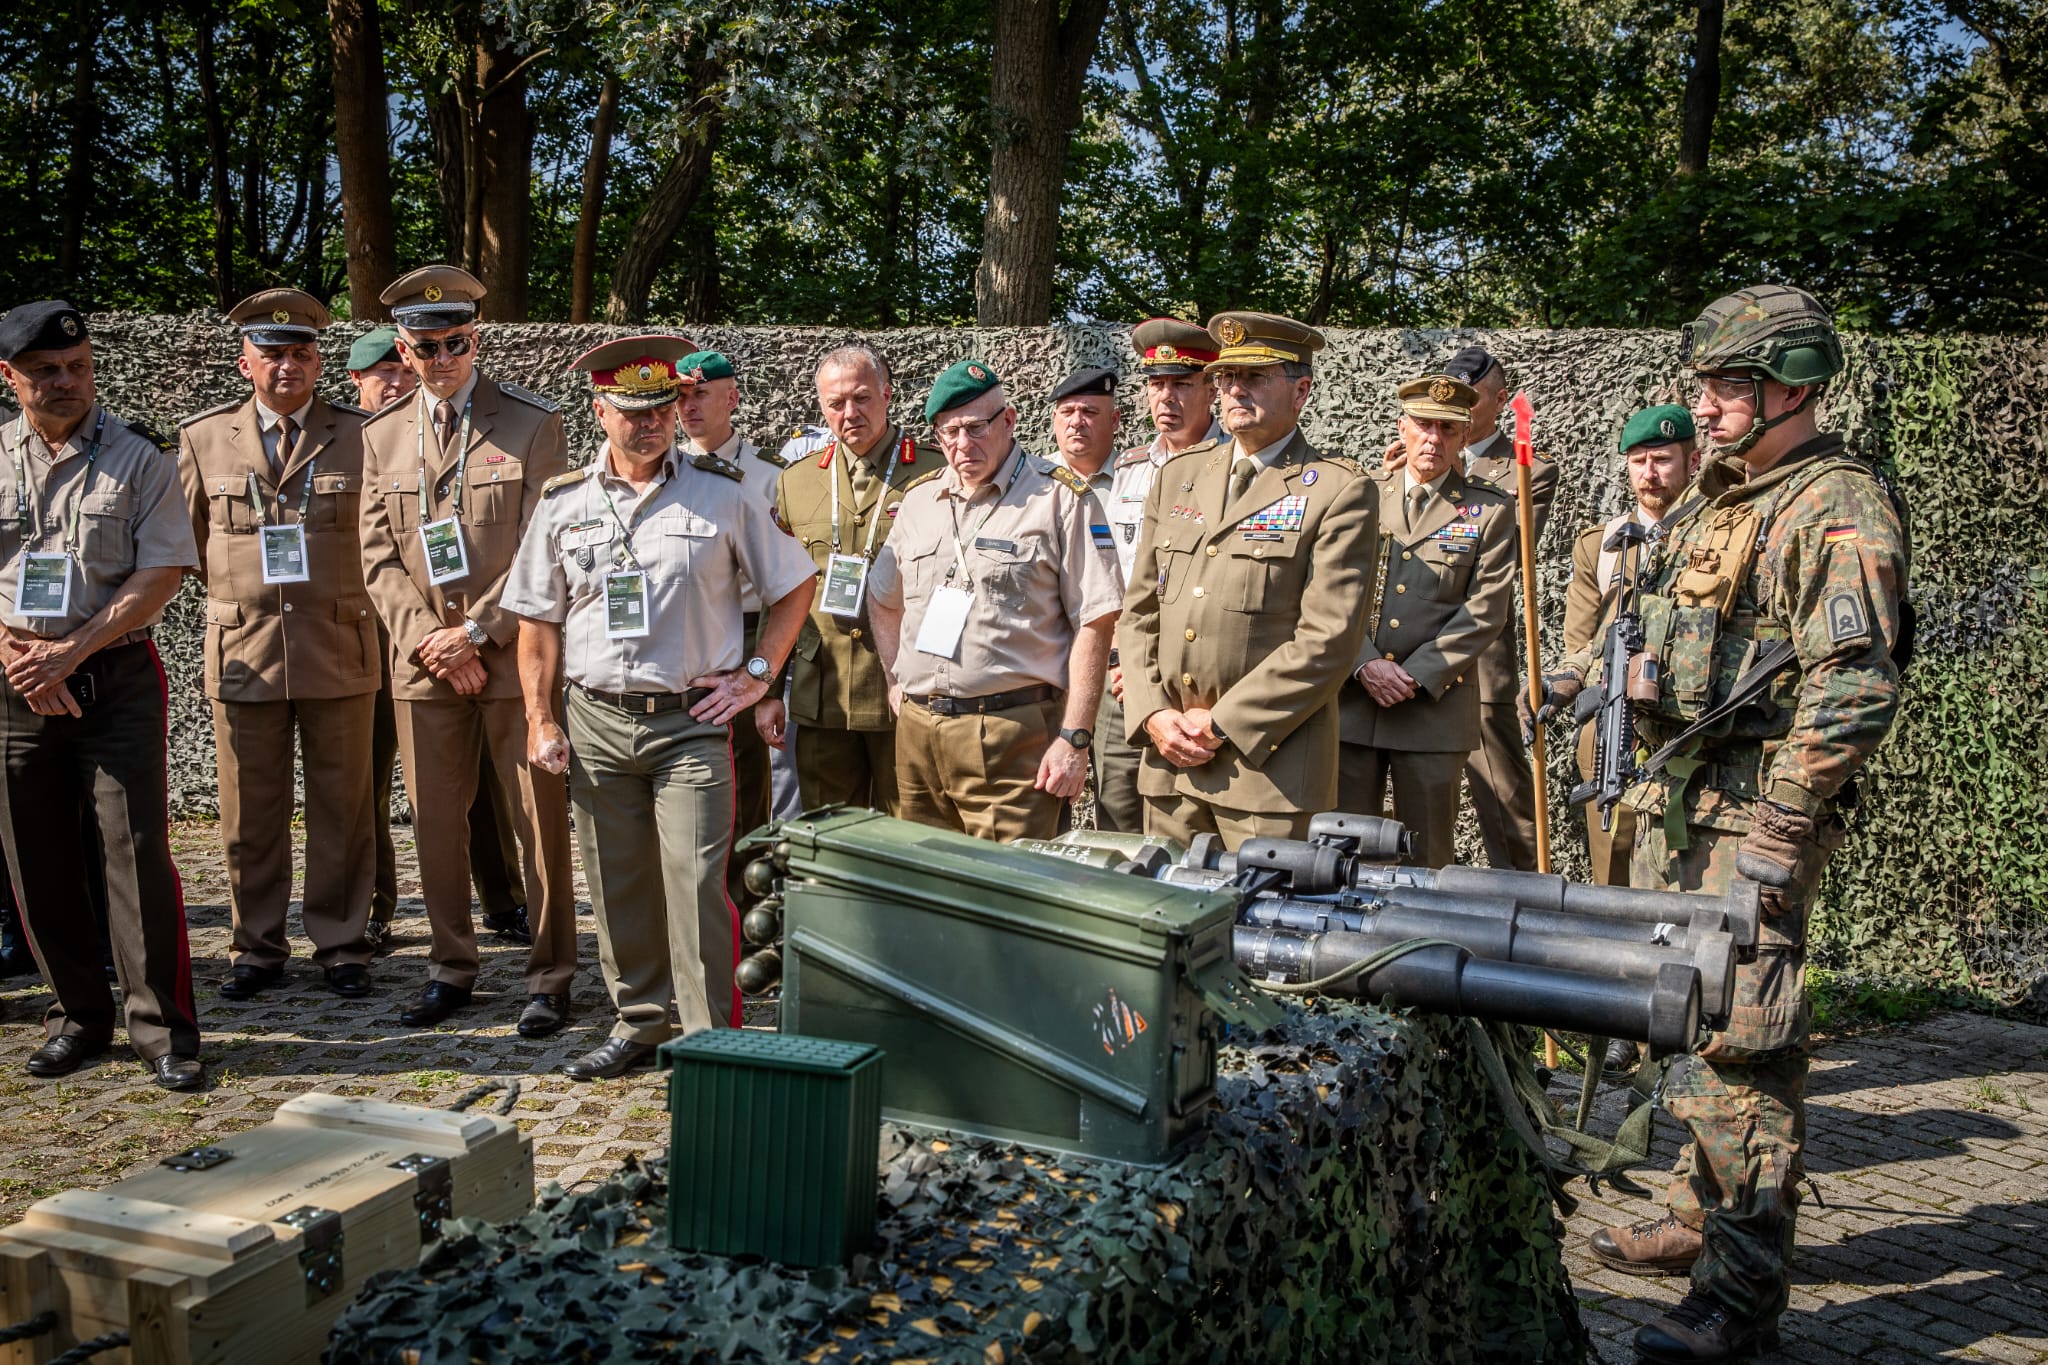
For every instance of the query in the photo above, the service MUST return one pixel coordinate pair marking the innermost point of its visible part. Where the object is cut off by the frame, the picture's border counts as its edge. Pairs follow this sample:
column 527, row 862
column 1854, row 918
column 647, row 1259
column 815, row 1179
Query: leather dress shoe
column 246, row 981
column 173, row 1072
column 349, row 978
column 544, row 1014
column 436, row 1002
column 1620, row 1058
column 615, row 1057
column 511, row 925
column 64, row 1054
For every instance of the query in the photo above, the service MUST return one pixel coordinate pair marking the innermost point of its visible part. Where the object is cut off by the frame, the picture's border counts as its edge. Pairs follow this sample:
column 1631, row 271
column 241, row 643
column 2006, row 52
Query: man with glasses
column 274, row 487
column 97, row 543
column 994, row 610
column 453, row 475
column 628, row 583
column 1242, row 616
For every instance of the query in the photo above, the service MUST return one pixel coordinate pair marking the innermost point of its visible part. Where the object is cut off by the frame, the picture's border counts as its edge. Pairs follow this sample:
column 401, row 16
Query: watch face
column 757, row 667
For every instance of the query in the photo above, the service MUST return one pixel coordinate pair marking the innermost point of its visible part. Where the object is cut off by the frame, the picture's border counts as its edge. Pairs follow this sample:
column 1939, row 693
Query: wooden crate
column 250, row 1258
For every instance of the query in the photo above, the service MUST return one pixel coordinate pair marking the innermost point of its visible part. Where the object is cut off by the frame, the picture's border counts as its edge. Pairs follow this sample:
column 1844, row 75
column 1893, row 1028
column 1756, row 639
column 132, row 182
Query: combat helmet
column 1768, row 330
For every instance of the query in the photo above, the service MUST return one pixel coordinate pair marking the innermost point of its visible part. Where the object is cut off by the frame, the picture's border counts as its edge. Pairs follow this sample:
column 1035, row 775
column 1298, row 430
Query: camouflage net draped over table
column 1357, row 1197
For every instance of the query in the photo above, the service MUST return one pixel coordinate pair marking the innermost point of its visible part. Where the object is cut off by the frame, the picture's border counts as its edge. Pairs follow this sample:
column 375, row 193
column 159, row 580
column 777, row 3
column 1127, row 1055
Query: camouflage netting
column 1945, row 879
column 1356, row 1197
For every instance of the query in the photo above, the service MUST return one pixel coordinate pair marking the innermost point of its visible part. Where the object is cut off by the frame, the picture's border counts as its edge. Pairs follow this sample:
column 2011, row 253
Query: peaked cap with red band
column 634, row 373
column 1170, row 346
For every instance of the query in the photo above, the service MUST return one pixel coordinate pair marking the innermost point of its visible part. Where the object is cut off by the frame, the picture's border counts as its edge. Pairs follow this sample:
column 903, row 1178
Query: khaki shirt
column 1442, row 591
column 516, row 444
column 836, row 677
column 1493, row 460
column 130, row 516
column 759, row 471
column 1035, row 571
column 1130, row 481
column 1099, row 485
column 274, row 641
column 696, row 531
column 1589, row 598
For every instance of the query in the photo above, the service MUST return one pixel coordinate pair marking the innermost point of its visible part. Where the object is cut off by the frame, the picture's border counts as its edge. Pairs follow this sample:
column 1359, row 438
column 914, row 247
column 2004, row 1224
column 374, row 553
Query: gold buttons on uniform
column 856, row 632
column 1394, row 624
column 1258, row 552
column 1400, row 587
column 1212, row 552
column 1388, row 656
column 1406, row 555
column 1191, row 635
column 1198, row 590
column 1187, row 680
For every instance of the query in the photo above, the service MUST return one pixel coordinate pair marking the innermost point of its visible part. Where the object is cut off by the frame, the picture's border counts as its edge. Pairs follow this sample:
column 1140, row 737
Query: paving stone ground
column 1929, row 1143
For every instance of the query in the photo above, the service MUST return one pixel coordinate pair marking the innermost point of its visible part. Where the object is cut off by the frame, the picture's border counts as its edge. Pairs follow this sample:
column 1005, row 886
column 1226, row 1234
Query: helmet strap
column 1758, row 423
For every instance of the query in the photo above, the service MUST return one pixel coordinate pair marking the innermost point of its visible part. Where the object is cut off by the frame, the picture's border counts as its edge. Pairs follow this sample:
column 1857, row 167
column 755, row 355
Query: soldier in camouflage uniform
column 1790, row 552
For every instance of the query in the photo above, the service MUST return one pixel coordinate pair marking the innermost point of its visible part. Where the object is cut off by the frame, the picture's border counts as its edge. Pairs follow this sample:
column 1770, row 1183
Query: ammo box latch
column 1224, row 987
column 320, row 1255
column 197, row 1158
column 435, row 1196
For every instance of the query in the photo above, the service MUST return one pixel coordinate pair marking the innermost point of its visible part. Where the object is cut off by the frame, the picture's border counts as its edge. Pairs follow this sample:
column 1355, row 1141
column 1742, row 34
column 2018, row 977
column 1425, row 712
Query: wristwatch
column 1080, row 739
column 757, row 667
column 475, row 632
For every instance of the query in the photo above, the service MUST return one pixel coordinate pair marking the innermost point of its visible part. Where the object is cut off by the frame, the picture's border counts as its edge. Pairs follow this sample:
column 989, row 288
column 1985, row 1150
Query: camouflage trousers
column 1742, row 1096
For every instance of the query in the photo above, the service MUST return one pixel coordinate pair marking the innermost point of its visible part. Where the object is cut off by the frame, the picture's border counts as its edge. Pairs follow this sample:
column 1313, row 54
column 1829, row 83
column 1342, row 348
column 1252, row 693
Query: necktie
column 1241, row 475
column 863, row 479
column 287, row 440
column 444, row 421
column 1417, row 496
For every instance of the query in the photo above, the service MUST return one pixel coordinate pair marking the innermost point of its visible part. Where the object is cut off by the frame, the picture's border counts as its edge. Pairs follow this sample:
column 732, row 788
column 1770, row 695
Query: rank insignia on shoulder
column 1070, row 479
column 573, row 476
column 770, row 458
column 715, row 465
column 528, row 396
column 1846, row 621
column 151, row 435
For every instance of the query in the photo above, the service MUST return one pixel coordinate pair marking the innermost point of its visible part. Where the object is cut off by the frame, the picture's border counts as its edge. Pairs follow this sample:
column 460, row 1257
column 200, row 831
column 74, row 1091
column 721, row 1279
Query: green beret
column 962, row 383
column 701, row 367
column 1657, row 426
column 373, row 348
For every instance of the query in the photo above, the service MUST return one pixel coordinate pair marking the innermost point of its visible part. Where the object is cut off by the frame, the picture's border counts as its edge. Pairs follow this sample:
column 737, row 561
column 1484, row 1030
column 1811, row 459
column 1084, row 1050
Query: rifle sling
column 1747, row 687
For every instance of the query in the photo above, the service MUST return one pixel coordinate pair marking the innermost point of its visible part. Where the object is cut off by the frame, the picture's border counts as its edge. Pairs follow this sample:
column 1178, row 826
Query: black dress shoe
column 512, row 925
column 349, row 978
column 615, row 1058
column 436, row 1002
column 64, row 1054
column 544, row 1014
column 246, row 981
column 16, row 959
column 179, row 1073
column 377, row 936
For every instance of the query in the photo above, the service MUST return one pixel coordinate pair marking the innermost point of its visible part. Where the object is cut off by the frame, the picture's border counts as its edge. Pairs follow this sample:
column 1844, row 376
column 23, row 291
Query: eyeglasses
column 431, row 350
column 962, row 432
column 1725, row 388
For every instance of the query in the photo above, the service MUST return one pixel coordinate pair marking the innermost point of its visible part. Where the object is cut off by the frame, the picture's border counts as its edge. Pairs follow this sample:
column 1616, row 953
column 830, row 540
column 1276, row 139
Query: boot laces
column 1698, row 1314
column 1649, row 1228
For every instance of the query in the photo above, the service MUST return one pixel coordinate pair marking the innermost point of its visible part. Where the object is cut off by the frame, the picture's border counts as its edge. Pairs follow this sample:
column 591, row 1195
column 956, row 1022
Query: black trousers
column 112, row 762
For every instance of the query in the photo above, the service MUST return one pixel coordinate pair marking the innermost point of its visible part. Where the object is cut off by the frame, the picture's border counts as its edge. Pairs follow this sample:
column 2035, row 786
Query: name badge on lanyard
column 846, row 582
column 447, row 558
column 944, row 621
column 42, row 587
column 625, row 604
column 42, row 582
column 284, row 554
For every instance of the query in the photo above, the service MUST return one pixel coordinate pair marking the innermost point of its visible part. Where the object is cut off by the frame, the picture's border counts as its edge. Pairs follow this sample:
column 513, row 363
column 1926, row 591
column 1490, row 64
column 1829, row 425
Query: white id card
column 944, row 619
column 43, row 585
column 447, row 560
column 846, row 582
column 284, row 554
column 625, row 604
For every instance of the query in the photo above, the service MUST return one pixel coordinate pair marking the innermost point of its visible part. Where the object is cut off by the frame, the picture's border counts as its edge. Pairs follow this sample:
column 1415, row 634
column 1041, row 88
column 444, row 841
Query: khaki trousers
column 1425, row 790
column 1503, row 789
column 1183, row 817
column 1118, row 807
column 253, row 757
column 975, row 773
column 847, row 768
column 443, row 744
column 654, row 818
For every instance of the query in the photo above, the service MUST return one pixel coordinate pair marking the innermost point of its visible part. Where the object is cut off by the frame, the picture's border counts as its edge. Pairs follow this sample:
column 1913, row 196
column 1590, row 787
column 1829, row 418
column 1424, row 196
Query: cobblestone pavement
column 1929, row 1143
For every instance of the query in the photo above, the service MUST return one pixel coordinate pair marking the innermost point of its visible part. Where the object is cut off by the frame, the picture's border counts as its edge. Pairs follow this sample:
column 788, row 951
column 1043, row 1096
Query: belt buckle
column 647, row 701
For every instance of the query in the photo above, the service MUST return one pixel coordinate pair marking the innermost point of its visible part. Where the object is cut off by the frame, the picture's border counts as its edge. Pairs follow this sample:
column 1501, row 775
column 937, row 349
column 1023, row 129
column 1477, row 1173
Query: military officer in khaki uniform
column 1442, row 586
column 274, row 487
column 1084, row 423
column 628, row 583
column 994, row 611
column 96, row 543
column 1243, row 611
column 840, row 502
column 451, row 479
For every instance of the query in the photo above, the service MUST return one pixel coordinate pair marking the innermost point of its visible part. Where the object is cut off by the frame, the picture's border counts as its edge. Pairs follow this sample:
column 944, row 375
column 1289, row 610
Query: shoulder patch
column 1847, row 623
column 526, row 396
column 574, row 476
column 226, row 407
column 1069, row 478
column 708, row 461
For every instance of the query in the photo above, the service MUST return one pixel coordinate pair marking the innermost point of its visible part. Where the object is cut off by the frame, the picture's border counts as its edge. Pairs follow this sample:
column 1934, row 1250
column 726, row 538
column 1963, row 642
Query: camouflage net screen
column 1355, row 1198
column 1945, row 878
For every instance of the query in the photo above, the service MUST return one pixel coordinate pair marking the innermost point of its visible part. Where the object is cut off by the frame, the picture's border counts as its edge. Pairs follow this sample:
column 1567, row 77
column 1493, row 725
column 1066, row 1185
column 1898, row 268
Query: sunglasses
column 431, row 350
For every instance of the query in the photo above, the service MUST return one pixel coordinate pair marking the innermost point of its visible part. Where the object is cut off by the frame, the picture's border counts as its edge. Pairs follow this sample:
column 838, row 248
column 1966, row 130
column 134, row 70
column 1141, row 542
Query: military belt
column 647, row 703
column 981, row 706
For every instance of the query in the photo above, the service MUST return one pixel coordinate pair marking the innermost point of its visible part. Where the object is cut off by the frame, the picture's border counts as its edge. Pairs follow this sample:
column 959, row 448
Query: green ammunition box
column 1019, row 996
column 773, row 1144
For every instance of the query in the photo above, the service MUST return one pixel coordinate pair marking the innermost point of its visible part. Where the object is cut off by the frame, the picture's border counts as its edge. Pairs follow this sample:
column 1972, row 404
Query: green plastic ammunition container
column 773, row 1145
column 1019, row 996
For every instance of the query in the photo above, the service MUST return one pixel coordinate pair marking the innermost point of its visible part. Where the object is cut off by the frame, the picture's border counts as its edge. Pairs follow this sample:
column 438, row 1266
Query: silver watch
column 475, row 632
column 757, row 667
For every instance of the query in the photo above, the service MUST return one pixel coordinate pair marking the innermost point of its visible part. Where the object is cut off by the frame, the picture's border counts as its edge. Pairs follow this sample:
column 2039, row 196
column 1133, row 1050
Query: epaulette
column 150, row 434
column 573, row 476
column 528, row 396
column 1543, row 455
column 1488, row 486
column 706, row 460
column 922, row 479
column 350, row 408
column 1068, row 477
column 1198, row 448
column 1342, row 462
column 228, row 406
column 770, row 458
column 1133, row 455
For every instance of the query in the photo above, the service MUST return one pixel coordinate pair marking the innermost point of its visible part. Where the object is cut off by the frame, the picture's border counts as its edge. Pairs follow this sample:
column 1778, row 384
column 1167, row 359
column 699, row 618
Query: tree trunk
column 668, row 203
column 85, row 119
column 1039, row 62
column 1702, row 91
column 583, row 264
column 451, row 175
column 504, row 166
column 224, row 292
column 362, row 144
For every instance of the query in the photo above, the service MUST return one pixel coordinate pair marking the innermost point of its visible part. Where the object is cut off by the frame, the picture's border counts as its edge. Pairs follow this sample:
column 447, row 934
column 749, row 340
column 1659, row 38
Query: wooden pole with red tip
column 1525, row 513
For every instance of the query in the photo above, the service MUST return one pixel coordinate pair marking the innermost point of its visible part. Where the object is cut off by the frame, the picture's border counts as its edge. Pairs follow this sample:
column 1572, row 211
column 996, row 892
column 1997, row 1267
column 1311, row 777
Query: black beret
column 1082, row 382
column 46, row 325
column 1470, row 365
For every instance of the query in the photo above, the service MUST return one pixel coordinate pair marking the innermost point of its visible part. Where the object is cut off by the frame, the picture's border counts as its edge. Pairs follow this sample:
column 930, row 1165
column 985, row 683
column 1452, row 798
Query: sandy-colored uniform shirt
column 1130, row 482
column 1099, row 530
column 761, row 470
column 130, row 515
column 697, row 532
column 1034, row 568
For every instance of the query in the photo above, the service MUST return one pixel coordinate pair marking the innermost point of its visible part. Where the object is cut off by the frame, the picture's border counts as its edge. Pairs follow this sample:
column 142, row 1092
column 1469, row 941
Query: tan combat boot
column 1661, row 1246
column 1700, row 1331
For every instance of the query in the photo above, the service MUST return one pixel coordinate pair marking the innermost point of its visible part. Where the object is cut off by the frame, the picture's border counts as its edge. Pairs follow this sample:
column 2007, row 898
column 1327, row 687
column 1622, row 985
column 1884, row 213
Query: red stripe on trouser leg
column 732, row 833
column 185, row 1004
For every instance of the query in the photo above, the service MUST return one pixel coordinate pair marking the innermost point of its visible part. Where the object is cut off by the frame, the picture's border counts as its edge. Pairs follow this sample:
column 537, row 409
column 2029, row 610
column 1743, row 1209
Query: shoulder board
column 1068, row 477
column 150, row 434
column 923, row 479
column 228, row 406
column 1487, row 488
column 1341, row 461
column 1200, row 448
column 350, row 408
column 1540, row 454
column 715, row 465
column 770, row 458
column 574, row 476
column 1134, row 454
column 526, row 396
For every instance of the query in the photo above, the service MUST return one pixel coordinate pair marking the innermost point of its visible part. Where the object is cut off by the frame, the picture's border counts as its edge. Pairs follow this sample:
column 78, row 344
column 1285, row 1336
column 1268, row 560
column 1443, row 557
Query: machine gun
column 1627, row 674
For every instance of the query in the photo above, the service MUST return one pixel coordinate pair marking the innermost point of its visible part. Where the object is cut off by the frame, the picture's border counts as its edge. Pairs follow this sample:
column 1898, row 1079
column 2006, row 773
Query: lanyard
column 625, row 529
column 959, row 544
column 895, row 458
column 22, row 518
column 305, row 494
column 461, row 444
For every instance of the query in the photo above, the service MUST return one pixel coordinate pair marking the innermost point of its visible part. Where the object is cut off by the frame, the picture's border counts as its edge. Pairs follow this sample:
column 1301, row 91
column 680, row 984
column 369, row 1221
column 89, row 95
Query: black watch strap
column 1080, row 739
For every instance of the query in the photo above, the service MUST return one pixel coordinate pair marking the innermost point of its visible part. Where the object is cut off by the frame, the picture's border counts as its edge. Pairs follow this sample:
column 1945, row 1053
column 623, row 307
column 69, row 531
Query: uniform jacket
column 1501, row 666
column 1443, row 591
column 277, row 641
column 516, row 445
column 1590, row 595
column 836, row 678
column 1257, row 616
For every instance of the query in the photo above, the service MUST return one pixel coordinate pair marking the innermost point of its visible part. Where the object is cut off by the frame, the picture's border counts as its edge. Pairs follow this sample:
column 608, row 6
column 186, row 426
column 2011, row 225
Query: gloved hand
column 1779, row 842
column 1560, row 689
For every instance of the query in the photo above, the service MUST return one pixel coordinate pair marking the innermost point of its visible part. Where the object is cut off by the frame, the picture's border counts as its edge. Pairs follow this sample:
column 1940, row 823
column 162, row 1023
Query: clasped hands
column 38, row 668
column 449, row 655
column 1186, row 739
